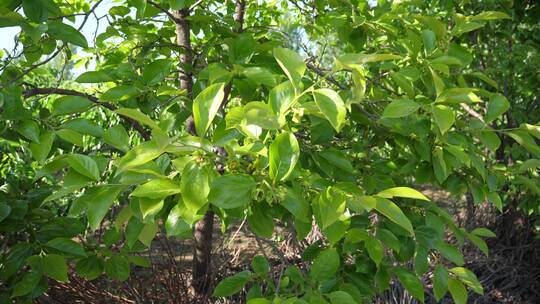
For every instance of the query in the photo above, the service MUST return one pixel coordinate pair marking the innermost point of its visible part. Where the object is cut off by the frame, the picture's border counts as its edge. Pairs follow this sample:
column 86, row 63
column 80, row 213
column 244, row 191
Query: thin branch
column 88, row 14
column 192, row 7
column 48, row 91
column 472, row 112
column 34, row 66
column 169, row 14
column 321, row 73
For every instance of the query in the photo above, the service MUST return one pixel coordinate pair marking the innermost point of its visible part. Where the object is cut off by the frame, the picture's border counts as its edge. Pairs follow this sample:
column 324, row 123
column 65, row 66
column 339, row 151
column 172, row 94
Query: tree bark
column 183, row 38
column 203, row 231
column 202, row 234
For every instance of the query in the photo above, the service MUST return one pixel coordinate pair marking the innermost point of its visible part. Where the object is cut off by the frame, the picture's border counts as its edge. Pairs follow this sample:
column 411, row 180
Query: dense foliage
column 317, row 115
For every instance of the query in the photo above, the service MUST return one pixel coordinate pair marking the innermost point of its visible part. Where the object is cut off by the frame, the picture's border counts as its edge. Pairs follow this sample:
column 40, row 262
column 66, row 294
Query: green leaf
column 393, row 213
column 117, row 267
column 260, row 114
column 241, row 48
column 5, row 210
column 486, row 79
column 93, row 77
column 120, row 92
column 439, row 165
column 430, row 41
column 389, row 239
column 524, row 139
column 349, row 61
column 450, row 252
column 434, row 24
column 325, row 265
column 9, row 18
column 133, row 229
column 478, row 242
column 402, row 192
column 341, row 297
column 328, row 207
column 84, row 165
column 362, row 203
column 489, row 15
column 466, row 27
column 421, row 261
column 400, row 108
column 469, row 278
column 148, row 233
column 331, row 106
column 260, row 265
column 175, row 224
column 440, row 282
column 459, row 154
column 458, row 95
column 231, row 285
column 117, row 137
column 28, row 282
column 70, row 104
column 295, row 203
column 484, row 232
column 533, row 130
column 260, row 221
column 100, row 199
column 70, row 136
column 281, row 97
column 54, row 266
column 411, row 283
column 495, row 199
column 83, row 126
column 260, row 75
column 177, row 4
column 41, row 150
column 338, row 159
column 66, row 33
column 496, row 107
column 140, row 155
column 403, row 83
column 231, row 191
column 29, row 129
column 206, row 106
column 149, row 206
column 195, row 186
column 283, row 155
column 138, row 116
column 89, row 268
column 458, row 291
column 375, row 249
column 157, row 189
column 292, row 64
column 259, row 301
column 156, row 72
column 444, row 117
column 490, row 139
column 67, row 245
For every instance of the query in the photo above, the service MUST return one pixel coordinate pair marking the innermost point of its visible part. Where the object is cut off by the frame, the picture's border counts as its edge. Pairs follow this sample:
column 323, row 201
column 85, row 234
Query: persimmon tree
column 320, row 115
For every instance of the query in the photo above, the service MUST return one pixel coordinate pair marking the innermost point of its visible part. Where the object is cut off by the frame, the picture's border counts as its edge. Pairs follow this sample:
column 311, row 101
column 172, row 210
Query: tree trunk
column 203, row 232
column 202, row 254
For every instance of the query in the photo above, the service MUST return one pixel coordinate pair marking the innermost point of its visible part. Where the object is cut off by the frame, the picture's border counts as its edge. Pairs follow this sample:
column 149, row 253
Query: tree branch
column 321, row 73
column 49, row 91
column 169, row 14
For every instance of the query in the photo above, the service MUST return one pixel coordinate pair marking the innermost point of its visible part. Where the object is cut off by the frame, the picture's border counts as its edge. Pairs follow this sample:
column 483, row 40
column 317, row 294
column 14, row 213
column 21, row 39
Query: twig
column 48, row 91
column 169, row 14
